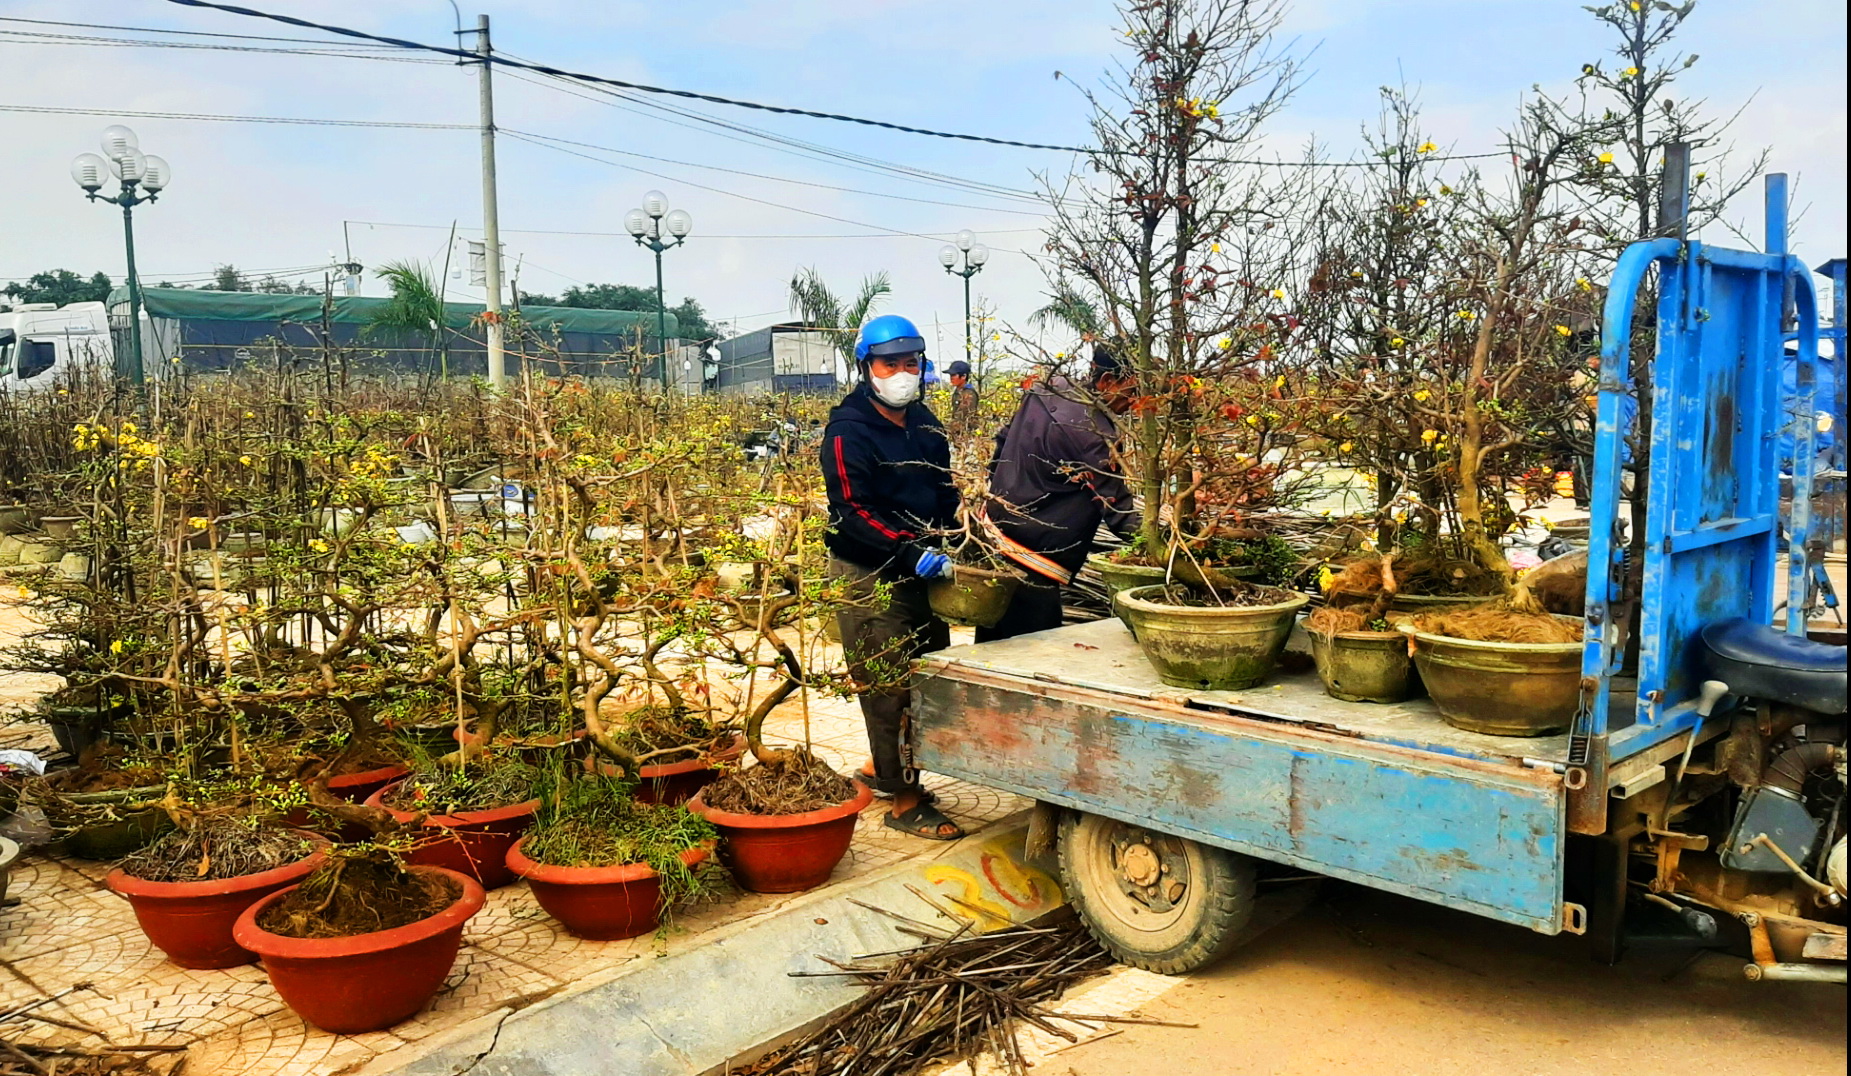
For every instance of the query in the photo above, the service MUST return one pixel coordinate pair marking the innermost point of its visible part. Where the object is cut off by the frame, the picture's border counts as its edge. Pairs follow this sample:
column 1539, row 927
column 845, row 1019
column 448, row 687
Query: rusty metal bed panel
column 1089, row 731
column 1102, row 654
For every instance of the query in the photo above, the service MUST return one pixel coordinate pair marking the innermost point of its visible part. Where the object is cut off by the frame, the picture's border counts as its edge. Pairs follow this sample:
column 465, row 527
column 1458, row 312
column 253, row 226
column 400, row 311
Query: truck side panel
column 1464, row 833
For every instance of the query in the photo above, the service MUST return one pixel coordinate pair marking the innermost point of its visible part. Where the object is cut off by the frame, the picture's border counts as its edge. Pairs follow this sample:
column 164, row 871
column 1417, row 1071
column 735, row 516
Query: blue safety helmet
column 889, row 334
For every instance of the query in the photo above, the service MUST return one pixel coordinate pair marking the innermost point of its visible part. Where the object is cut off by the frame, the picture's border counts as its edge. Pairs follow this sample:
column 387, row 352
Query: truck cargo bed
column 1385, row 795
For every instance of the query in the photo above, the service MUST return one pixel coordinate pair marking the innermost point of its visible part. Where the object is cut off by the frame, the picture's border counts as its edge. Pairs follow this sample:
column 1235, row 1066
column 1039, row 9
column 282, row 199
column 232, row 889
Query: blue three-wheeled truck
column 1704, row 782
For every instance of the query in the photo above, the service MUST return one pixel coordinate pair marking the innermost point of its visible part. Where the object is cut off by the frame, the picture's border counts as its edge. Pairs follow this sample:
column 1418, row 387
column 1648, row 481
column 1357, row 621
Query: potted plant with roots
column 1185, row 265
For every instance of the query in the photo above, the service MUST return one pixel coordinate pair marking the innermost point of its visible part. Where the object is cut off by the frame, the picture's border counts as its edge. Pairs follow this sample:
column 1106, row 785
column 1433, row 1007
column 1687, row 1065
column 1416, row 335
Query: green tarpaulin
column 185, row 304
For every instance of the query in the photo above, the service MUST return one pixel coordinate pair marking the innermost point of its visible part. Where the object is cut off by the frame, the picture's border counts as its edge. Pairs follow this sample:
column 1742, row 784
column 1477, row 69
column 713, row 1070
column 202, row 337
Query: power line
column 716, row 190
column 505, row 60
column 187, row 33
column 547, row 69
column 774, row 179
column 28, row 37
column 530, row 135
column 704, row 235
column 218, row 118
column 668, row 112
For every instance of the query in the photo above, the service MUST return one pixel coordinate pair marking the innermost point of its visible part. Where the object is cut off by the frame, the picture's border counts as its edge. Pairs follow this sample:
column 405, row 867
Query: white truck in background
column 40, row 341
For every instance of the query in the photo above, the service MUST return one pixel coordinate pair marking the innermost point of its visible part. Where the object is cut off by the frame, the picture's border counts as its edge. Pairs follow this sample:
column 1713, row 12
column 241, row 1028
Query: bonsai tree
column 1182, row 264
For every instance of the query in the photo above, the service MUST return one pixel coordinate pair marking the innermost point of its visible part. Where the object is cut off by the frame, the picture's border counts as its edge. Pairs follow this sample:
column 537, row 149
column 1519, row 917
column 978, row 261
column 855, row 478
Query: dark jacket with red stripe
column 1053, row 480
column 889, row 485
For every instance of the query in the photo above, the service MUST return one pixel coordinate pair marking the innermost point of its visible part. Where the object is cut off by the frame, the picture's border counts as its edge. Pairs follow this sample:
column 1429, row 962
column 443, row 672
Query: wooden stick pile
column 28, row 1059
column 956, row 996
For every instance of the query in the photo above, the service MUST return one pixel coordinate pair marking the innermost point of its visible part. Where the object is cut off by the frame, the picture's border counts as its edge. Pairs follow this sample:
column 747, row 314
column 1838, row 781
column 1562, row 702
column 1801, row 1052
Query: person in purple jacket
column 1052, row 482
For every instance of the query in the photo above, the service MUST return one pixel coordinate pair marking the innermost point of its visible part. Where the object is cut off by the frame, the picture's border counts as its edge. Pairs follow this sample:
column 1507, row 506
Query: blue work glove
column 933, row 565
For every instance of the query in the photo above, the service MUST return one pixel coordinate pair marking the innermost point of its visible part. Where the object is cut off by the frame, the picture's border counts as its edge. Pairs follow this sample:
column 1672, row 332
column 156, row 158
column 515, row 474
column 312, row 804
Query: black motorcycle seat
column 1763, row 662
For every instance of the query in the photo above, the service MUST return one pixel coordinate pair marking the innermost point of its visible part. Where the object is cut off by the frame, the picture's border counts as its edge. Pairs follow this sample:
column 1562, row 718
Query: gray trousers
column 880, row 644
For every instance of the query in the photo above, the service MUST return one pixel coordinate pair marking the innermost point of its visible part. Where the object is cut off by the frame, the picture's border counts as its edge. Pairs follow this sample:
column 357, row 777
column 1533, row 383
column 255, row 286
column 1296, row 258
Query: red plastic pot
column 677, row 782
column 356, row 787
column 785, row 853
column 367, row 982
column 192, row 921
column 475, row 843
column 599, row 903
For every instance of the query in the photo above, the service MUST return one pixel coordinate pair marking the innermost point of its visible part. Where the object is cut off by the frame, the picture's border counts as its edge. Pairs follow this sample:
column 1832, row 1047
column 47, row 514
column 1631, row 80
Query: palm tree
column 416, row 308
column 821, row 308
column 1068, row 307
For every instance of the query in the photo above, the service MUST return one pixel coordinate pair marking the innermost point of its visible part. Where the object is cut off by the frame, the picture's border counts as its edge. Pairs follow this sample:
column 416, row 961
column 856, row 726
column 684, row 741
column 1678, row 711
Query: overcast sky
column 274, row 197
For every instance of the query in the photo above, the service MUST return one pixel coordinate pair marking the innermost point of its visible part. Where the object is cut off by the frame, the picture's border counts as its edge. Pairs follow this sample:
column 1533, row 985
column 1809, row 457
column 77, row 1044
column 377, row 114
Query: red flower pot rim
column 465, row 818
column 863, row 796
column 350, row 780
column 703, row 761
column 470, row 738
column 260, row 941
column 127, row 885
column 551, row 873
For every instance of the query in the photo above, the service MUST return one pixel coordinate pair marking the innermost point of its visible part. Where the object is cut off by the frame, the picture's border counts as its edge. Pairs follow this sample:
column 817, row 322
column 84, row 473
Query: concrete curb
column 731, row 991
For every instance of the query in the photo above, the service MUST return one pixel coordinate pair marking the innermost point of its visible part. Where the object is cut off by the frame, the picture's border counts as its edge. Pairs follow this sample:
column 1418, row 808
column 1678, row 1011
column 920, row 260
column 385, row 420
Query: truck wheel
column 1156, row 902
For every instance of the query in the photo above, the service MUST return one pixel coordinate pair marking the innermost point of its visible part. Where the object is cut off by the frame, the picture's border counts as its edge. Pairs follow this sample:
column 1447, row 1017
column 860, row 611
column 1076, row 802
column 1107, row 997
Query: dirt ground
column 1365, row 982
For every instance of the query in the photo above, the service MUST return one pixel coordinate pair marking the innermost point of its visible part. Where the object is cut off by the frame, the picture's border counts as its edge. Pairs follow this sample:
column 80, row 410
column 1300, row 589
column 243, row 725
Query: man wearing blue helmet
column 887, row 468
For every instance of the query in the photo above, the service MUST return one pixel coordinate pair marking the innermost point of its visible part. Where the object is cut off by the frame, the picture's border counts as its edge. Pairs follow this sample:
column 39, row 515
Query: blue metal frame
column 1713, row 506
column 1832, row 528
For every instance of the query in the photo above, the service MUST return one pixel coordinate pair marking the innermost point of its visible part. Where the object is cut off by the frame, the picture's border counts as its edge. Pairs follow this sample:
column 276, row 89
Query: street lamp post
column 123, row 160
column 648, row 226
column 966, row 260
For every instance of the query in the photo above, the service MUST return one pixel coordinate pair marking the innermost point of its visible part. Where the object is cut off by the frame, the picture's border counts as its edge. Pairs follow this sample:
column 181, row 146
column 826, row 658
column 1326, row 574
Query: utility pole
column 491, row 219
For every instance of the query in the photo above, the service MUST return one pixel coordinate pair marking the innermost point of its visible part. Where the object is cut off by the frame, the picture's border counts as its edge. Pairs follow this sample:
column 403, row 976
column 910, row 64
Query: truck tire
column 1155, row 901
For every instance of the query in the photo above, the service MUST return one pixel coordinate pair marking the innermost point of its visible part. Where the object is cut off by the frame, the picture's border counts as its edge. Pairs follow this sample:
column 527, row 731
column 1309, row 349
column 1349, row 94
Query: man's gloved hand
column 933, row 565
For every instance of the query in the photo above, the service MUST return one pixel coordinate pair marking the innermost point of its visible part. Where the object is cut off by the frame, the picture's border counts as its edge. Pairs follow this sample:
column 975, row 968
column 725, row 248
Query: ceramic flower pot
column 976, row 597
column 366, row 982
column 1502, row 689
column 475, row 843
column 785, row 853
column 1364, row 666
column 191, row 921
column 599, row 903
column 1212, row 648
column 678, row 782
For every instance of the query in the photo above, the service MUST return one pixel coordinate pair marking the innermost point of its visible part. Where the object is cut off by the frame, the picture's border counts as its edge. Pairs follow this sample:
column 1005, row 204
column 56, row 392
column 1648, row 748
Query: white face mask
column 897, row 391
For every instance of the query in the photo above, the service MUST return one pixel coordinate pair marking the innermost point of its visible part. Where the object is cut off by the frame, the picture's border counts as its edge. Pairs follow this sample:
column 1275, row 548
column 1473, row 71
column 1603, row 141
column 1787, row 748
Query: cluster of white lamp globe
column 122, row 159
column 142, row 178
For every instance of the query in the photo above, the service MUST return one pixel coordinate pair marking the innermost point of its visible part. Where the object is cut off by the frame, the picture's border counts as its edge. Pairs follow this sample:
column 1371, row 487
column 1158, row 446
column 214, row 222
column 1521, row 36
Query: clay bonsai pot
column 191, row 921
column 354, row 788
column 1210, row 648
column 678, row 782
column 366, row 982
column 475, row 843
column 785, row 853
column 598, row 903
column 60, row 528
column 121, row 832
column 1119, row 577
column 1364, row 666
column 357, row 787
column 1500, row 689
column 977, row 597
